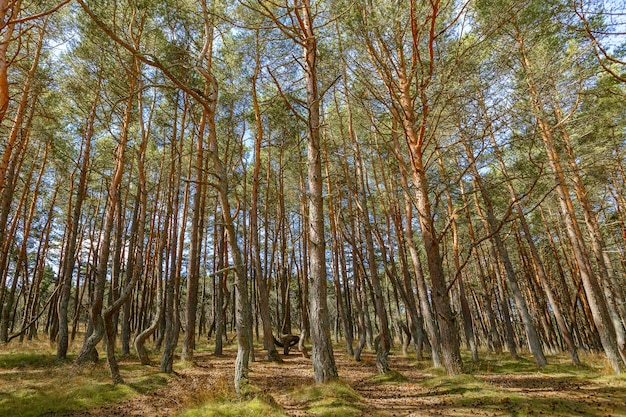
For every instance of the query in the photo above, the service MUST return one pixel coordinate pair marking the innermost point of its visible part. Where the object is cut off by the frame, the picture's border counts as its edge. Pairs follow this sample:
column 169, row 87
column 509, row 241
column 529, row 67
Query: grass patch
column 592, row 366
column 257, row 406
column 25, row 360
column 60, row 391
column 502, row 386
column 390, row 377
column 458, row 384
column 465, row 394
column 33, row 382
column 331, row 399
column 220, row 399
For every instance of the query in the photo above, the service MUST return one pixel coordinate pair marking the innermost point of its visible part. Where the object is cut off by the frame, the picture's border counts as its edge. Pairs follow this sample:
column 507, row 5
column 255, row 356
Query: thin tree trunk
column 468, row 325
column 195, row 251
column 382, row 351
column 113, row 195
column 536, row 259
column 591, row 285
column 268, row 338
column 493, row 228
column 613, row 291
column 22, row 254
column 171, row 317
column 69, row 256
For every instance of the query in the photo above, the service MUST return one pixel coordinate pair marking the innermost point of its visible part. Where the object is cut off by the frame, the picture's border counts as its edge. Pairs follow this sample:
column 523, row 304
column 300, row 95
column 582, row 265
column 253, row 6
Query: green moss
column 504, row 386
column 391, row 377
column 22, row 360
column 513, row 366
column 331, row 399
column 335, row 389
column 494, row 402
column 182, row 365
column 558, row 364
column 335, row 411
column 61, row 389
column 578, row 371
column 446, row 382
column 258, row 406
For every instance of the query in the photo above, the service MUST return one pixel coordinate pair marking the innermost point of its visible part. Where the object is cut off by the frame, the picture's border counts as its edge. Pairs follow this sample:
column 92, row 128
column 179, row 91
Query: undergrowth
column 33, row 382
column 331, row 399
column 257, row 406
column 390, row 377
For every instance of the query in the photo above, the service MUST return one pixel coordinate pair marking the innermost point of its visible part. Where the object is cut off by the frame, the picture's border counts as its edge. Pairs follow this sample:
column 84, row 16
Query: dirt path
column 421, row 394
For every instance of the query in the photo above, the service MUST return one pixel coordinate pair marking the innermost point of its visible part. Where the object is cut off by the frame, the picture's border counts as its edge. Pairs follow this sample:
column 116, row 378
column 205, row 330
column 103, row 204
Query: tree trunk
column 324, row 367
column 534, row 252
column 379, row 303
column 590, row 282
column 222, row 298
column 424, row 300
column 268, row 338
column 90, row 343
column 195, row 249
column 493, row 229
column 468, row 325
column 613, row 291
column 171, row 317
column 69, row 255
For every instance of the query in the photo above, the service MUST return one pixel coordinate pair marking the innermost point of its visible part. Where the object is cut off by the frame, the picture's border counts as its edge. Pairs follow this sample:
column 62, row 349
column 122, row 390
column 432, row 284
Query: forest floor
column 496, row 386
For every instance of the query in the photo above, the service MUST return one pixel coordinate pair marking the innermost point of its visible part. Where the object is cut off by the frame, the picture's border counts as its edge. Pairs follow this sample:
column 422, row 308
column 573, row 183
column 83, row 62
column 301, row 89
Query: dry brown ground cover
column 495, row 387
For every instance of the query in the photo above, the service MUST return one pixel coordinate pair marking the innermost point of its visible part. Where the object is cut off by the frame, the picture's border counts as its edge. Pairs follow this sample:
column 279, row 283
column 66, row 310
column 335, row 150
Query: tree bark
column 534, row 252
column 324, row 367
column 69, row 255
column 264, row 309
column 493, row 229
column 97, row 321
column 595, row 298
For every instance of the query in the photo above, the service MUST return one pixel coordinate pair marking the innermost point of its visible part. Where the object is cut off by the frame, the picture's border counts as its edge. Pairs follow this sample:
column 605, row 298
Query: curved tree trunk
column 90, row 343
column 69, row 254
column 264, row 308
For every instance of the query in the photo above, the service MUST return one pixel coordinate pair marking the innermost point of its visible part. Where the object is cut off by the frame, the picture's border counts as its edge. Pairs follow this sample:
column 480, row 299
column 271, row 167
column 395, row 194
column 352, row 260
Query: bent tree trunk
column 72, row 230
column 90, row 343
column 263, row 290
